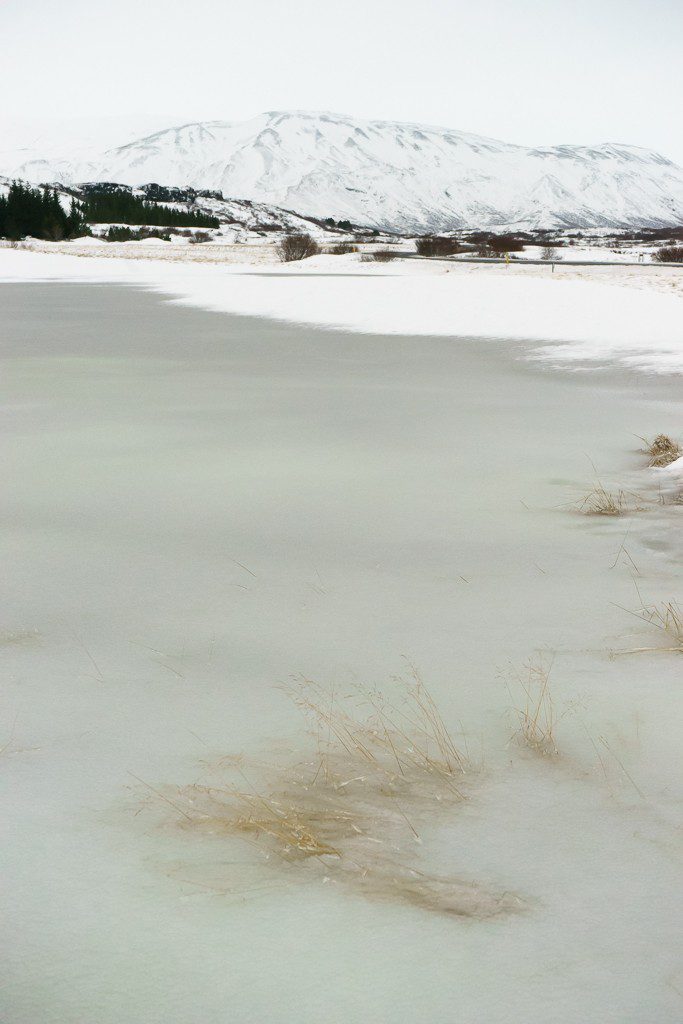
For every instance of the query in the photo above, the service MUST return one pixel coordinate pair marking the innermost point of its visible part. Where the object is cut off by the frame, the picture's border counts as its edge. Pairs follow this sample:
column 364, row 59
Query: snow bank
column 670, row 479
column 674, row 469
column 567, row 321
column 151, row 241
column 89, row 240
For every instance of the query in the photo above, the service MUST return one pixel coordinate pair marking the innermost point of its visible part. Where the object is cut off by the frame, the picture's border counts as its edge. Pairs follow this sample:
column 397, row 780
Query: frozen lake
column 197, row 507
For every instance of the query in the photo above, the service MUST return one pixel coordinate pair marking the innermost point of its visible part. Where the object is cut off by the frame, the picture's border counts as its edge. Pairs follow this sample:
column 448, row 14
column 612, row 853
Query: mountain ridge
column 388, row 174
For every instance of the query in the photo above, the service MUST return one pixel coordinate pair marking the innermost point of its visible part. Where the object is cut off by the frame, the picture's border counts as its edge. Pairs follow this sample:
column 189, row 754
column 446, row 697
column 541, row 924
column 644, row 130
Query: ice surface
column 571, row 321
column 198, row 507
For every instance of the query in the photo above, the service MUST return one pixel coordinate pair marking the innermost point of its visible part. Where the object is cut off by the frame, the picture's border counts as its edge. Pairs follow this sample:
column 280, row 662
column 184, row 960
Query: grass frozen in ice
column 667, row 618
column 384, row 769
column 601, row 502
column 533, row 706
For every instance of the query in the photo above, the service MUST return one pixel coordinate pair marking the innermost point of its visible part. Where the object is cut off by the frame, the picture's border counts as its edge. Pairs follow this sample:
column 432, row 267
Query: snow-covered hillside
column 239, row 218
column 386, row 174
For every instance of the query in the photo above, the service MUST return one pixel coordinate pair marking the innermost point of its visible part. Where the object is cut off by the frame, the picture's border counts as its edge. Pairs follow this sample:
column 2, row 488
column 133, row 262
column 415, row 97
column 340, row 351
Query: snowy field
column 223, row 478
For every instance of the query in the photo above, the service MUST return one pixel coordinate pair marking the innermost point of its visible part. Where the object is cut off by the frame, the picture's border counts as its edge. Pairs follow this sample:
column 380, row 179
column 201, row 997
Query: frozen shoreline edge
column 567, row 322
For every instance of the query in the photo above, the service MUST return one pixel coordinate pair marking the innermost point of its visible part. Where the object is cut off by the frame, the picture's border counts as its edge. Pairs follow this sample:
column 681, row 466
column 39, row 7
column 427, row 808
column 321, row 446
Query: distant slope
column 236, row 216
column 390, row 175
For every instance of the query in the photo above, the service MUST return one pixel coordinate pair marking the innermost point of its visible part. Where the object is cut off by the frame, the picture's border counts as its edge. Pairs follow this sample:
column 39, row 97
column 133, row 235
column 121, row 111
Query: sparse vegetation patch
column 341, row 249
column 601, row 502
column 354, row 811
column 667, row 617
column 381, row 256
column 533, row 706
column 662, row 451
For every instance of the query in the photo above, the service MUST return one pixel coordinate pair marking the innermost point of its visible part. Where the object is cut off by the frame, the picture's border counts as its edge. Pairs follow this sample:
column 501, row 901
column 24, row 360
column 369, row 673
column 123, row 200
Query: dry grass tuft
column 667, row 617
column 662, row 451
column 396, row 738
column 535, row 713
column 601, row 502
column 294, row 831
column 354, row 813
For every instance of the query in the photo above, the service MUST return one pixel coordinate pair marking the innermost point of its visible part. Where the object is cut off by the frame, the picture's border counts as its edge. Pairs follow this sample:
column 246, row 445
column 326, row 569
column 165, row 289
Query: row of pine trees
column 122, row 207
column 38, row 213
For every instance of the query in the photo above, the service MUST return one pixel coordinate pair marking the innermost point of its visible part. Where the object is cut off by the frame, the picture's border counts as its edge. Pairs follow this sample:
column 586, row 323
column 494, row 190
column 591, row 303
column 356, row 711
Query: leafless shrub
column 297, row 247
column 381, row 256
column 433, row 245
column 199, row 237
column 549, row 254
column 501, row 244
column 124, row 233
column 341, row 249
column 669, row 254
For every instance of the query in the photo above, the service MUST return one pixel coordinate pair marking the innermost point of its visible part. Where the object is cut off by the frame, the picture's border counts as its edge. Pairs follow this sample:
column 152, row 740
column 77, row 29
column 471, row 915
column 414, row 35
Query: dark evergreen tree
column 27, row 211
column 38, row 212
column 120, row 206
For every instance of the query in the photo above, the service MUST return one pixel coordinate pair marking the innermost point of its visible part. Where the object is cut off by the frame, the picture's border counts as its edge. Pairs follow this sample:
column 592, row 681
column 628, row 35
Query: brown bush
column 432, row 245
column 341, row 249
column 297, row 247
column 381, row 256
column 669, row 254
column 500, row 244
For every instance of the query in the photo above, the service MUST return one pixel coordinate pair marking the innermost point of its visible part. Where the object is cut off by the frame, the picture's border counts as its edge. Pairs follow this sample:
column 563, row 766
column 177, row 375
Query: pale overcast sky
column 527, row 71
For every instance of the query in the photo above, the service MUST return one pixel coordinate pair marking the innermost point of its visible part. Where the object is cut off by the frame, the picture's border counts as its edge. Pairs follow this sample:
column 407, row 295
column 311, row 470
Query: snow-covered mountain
column 386, row 174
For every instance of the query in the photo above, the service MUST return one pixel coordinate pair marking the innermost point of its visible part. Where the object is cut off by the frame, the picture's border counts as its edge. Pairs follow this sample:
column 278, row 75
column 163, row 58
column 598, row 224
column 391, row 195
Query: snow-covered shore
column 574, row 316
